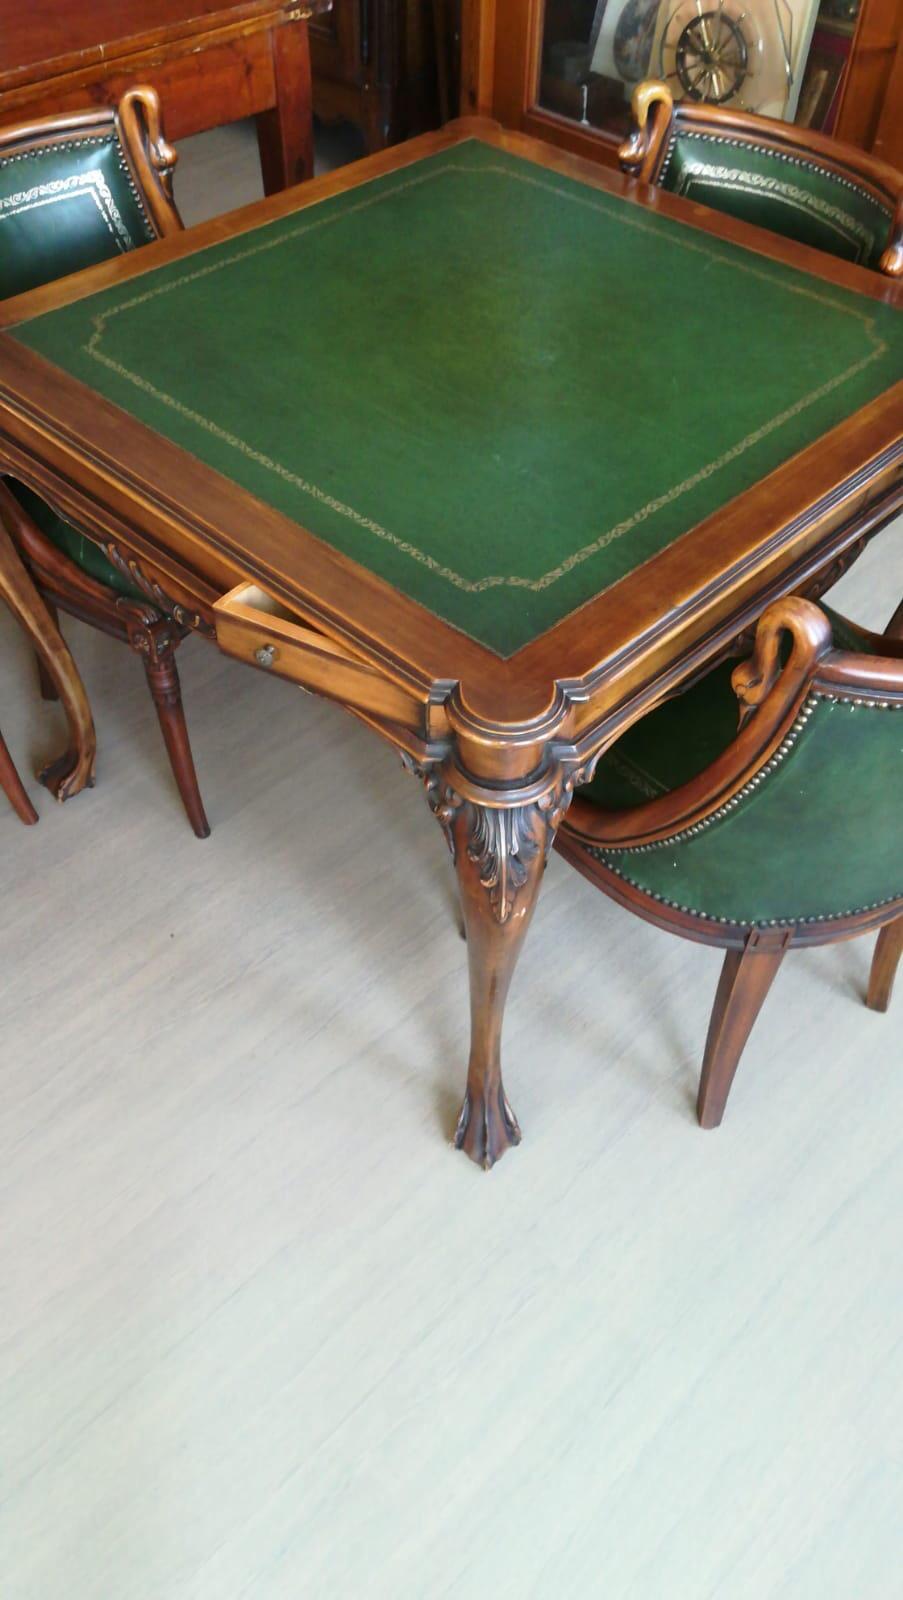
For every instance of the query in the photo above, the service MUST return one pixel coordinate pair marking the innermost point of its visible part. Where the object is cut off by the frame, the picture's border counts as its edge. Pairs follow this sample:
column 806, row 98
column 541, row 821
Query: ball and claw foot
column 486, row 1128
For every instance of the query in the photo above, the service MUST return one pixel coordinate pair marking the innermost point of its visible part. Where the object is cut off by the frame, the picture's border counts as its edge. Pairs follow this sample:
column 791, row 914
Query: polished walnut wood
column 137, row 123
column 13, row 787
column 154, row 630
column 150, row 631
column 70, row 772
column 499, row 744
column 888, row 951
column 870, row 108
column 746, row 977
column 210, row 63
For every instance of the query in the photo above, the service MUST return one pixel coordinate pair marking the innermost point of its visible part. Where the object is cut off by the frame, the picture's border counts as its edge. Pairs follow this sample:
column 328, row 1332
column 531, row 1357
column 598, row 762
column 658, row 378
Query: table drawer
column 254, row 627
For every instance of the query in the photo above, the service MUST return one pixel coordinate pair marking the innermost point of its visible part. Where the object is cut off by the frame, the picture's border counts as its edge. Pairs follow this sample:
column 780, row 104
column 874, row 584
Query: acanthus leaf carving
column 503, row 841
column 132, row 570
column 442, row 800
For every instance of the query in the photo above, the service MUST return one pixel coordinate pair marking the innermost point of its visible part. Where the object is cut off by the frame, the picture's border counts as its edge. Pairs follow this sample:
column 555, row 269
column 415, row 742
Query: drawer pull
column 255, row 627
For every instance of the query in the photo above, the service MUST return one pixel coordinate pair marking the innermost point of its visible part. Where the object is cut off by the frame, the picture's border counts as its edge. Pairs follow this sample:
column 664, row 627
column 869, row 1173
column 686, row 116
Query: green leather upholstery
column 82, row 551
column 787, row 194
column 817, row 837
column 64, row 206
column 669, row 746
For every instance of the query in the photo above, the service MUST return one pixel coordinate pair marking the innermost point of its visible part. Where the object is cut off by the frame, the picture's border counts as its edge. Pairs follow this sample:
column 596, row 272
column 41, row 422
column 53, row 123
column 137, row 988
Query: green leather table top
column 494, row 386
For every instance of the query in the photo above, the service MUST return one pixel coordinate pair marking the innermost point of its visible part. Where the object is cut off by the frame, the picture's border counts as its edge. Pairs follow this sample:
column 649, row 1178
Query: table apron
column 807, row 564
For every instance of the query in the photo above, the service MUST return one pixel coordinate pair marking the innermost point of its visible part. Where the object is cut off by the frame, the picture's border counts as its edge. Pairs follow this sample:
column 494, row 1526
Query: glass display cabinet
column 565, row 69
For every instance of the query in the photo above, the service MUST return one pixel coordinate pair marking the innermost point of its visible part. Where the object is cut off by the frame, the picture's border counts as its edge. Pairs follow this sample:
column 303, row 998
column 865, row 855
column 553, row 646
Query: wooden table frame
column 499, row 744
column 247, row 58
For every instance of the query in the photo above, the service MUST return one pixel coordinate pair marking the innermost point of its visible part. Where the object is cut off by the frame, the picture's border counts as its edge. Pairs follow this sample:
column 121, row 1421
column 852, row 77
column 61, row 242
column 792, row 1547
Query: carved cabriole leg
column 746, row 977
column 885, row 961
column 155, row 640
column 72, row 771
column 500, row 852
column 497, row 913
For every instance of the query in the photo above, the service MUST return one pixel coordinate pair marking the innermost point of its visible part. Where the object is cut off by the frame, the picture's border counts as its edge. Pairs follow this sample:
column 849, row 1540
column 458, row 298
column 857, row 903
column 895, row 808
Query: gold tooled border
column 623, row 213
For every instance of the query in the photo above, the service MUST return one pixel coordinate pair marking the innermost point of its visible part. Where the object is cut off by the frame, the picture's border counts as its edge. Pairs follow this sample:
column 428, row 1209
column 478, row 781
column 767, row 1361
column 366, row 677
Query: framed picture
column 621, row 39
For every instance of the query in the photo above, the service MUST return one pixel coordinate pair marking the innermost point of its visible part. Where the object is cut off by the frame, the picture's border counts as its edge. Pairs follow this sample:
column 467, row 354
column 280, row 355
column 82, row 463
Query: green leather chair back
column 66, row 203
column 788, row 194
column 817, row 838
column 69, row 198
column 816, row 834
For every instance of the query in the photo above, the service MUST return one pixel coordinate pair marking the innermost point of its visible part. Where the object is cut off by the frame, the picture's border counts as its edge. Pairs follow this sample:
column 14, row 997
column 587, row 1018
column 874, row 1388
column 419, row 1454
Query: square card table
column 490, row 446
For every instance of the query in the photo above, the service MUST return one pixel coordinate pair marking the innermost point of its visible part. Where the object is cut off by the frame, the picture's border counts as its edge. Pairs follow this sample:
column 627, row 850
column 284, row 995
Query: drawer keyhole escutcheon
column 265, row 655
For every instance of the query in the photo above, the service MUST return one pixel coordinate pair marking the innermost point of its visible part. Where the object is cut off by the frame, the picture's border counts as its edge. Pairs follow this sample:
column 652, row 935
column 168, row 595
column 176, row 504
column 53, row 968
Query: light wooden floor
column 265, row 1334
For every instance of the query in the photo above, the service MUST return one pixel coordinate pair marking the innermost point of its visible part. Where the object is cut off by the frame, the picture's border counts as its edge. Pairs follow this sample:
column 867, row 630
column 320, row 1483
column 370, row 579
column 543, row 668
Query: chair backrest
column 788, row 179
column 801, row 818
column 77, row 189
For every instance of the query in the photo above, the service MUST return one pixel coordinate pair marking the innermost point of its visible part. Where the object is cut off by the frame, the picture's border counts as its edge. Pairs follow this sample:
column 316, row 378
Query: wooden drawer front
column 255, row 628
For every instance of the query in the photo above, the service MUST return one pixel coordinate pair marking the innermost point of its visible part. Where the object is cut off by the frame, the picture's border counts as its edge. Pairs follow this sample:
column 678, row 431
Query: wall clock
column 749, row 56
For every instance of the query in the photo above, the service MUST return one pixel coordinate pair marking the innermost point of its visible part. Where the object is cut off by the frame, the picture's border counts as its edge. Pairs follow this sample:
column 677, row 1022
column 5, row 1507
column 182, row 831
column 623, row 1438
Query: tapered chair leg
column 13, row 788
column 888, row 951
column 746, row 977
column 155, row 643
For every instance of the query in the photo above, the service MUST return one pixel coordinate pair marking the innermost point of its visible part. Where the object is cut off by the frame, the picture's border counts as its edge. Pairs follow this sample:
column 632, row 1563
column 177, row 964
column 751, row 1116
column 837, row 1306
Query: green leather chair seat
column 796, row 198
column 86, row 555
column 66, row 206
column 818, row 837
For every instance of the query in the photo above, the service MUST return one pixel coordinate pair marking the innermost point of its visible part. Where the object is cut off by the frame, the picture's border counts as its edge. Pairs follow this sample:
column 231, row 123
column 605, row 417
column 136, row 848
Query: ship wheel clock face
column 745, row 54
column 711, row 57
column 714, row 51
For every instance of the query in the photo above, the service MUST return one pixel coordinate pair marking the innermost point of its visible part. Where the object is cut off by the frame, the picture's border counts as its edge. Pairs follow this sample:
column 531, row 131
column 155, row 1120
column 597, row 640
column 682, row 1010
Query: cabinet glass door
column 779, row 58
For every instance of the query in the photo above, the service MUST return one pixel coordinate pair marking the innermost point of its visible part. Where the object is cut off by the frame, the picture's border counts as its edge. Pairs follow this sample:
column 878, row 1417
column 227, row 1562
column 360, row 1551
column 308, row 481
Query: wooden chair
column 788, row 831
column 788, row 179
column 75, row 768
column 75, row 190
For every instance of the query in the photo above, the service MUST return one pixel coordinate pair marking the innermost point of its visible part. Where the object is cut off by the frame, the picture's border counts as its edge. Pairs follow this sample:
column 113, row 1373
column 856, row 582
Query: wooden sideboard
column 210, row 61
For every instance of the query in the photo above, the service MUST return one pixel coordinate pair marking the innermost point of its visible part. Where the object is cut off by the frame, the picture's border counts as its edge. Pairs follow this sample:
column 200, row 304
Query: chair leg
column 888, row 951
column 13, row 788
column 45, row 682
column 156, row 645
column 746, row 977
